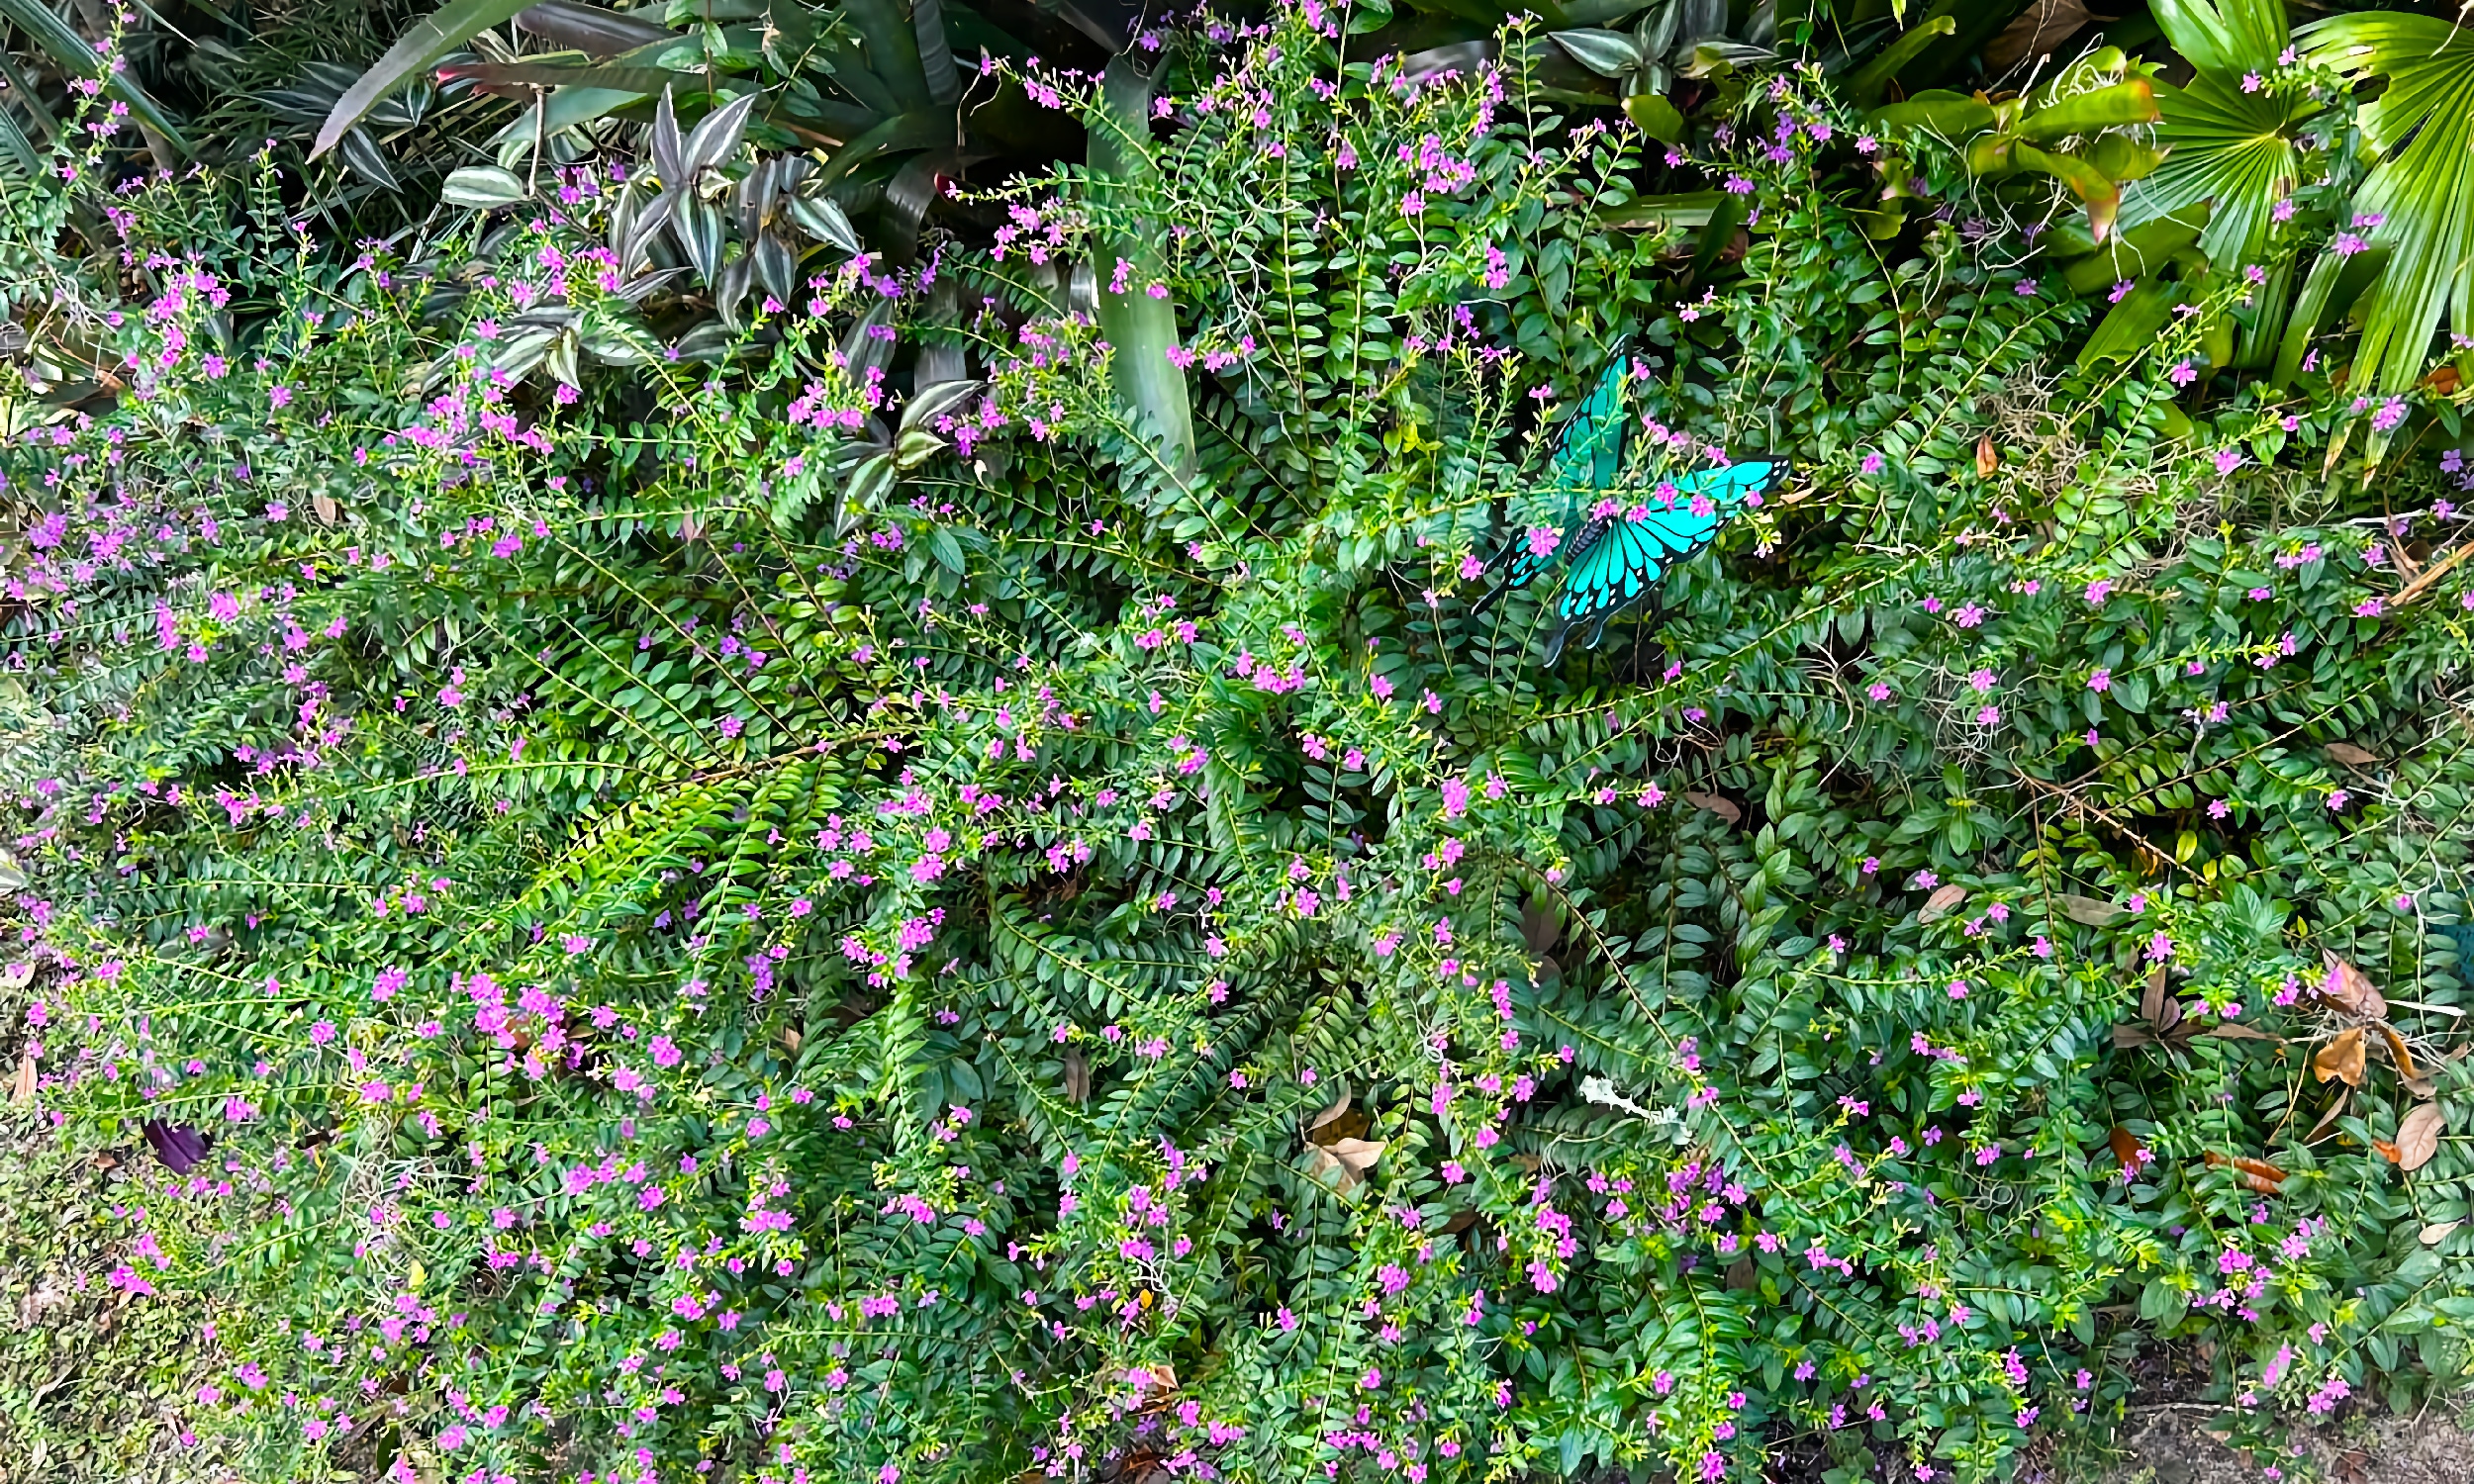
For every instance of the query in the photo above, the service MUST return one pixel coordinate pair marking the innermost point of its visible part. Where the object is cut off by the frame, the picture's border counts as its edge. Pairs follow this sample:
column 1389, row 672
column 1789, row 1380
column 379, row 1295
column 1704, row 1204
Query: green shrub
column 718, row 935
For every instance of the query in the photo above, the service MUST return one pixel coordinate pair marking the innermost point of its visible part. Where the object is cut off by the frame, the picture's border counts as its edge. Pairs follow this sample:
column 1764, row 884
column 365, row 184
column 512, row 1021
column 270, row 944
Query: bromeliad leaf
column 414, row 53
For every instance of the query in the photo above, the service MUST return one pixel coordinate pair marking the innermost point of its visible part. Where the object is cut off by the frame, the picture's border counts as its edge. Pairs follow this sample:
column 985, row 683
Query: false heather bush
column 707, row 919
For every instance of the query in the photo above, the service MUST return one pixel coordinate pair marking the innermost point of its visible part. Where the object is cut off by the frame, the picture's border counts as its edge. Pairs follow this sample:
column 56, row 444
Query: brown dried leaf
column 2253, row 1175
column 791, row 1040
column 1939, row 905
column 1076, row 1076
column 2089, row 910
column 1336, row 1121
column 324, row 506
column 1988, row 458
column 22, row 1085
column 2039, row 29
column 2129, row 1034
column 2353, row 755
column 1358, row 1153
column 2417, row 1137
column 1717, row 804
column 1343, row 1163
column 2386, row 1151
column 2335, row 1110
column 2124, row 1147
column 2151, row 1000
column 2228, row 1031
column 2340, row 1059
column 2350, row 990
column 2398, row 1054
column 2421, row 1087
column 2437, row 1232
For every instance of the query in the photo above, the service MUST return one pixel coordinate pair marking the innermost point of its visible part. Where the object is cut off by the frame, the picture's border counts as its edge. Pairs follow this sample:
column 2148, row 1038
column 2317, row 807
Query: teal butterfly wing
column 1586, row 456
column 1627, row 557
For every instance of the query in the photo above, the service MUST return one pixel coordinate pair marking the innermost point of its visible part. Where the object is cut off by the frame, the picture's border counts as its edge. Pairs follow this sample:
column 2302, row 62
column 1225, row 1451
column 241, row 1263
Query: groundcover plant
column 942, row 877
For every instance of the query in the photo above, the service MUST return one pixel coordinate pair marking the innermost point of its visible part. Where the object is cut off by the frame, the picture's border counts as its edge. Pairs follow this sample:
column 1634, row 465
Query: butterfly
column 1612, row 552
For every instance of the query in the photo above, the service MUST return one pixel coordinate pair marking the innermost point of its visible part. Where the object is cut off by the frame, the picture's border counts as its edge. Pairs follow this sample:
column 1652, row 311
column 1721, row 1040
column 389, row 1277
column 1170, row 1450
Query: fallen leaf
column 2151, row 1000
column 1358, row 1153
column 1740, row 1273
column 791, row 1040
column 2228, row 1030
column 2417, row 1137
column 1076, row 1076
column 2124, row 1147
column 2089, row 910
column 2353, row 755
column 1939, row 905
column 2335, row 1111
column 21, row 1086
column 2437, row 1232
column 2255, row 1174
column 2397, row 1054
column 2043, row 27
column 2421, row 1087
column 2131, row 1034
column 2350, row 990
column 2341, row 1058
column 324, row 506
column 1717, row 804
column 2386, row 1151
column 1988, row 458
column 1347, row 1160
column 1337, row 1121
column 2169, row 1021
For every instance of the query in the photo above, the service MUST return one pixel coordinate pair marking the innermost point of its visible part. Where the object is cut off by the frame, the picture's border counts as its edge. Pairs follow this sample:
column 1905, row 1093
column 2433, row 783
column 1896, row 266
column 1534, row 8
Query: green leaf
column 482, row 188
column 2101, row 196
column 2136, row 253
column 1142, row 329
column 1609, row 53
column 1681, row 209
column 74, row 56
column 2123, row 105
column 1656, row 116
column 2129, row 331
column 1868, row 83
column 2243, row 35
column 2422, row 126
column 2231, row 151
column 414, row 51
column 1937, row 111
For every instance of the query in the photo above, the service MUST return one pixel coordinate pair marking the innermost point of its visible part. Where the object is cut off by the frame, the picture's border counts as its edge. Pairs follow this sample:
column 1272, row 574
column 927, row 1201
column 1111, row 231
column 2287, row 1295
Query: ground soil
column 2168, row 1443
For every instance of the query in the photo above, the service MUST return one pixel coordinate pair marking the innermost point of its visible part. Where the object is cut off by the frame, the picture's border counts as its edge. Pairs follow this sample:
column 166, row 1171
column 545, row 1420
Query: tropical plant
column 780, row 906
column 872, row 95
column 2413, row 203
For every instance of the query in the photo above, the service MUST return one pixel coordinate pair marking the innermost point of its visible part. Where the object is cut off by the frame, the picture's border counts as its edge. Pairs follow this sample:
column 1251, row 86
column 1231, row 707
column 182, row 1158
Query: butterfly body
column 1615, row 550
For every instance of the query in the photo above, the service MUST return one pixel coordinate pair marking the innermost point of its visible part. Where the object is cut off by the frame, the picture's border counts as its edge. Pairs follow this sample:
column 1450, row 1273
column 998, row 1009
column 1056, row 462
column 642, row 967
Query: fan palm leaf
column 2418, row 199
column 2229, row 140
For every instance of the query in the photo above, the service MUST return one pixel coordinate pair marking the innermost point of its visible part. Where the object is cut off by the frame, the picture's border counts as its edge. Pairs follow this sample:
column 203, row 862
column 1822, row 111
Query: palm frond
column 2418, row 200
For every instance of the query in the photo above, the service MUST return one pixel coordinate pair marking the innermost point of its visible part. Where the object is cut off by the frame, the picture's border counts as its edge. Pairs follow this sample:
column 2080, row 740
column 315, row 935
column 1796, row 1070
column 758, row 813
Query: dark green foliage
column 1272, row 1020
